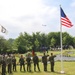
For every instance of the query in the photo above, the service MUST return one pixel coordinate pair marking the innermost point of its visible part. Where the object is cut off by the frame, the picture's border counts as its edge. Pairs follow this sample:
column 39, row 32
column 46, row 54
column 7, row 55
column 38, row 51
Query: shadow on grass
column 10, row 73
column 61, row 73
column 37, row 72
column 58, row 73
column 26, row 71
column 52, row 72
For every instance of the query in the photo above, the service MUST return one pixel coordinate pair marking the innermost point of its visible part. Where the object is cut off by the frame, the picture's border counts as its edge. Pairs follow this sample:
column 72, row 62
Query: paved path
column 58, row 58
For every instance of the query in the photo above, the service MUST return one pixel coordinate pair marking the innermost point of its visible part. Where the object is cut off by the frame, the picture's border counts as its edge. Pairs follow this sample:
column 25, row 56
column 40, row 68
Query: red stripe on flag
column 66, row 22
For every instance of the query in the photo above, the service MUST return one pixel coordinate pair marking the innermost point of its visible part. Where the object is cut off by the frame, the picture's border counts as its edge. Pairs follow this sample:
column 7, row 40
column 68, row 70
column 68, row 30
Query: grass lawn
column 69, row 68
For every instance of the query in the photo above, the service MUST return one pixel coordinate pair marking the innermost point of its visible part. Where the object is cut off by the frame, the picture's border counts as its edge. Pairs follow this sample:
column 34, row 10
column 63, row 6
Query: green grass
column 69, row 68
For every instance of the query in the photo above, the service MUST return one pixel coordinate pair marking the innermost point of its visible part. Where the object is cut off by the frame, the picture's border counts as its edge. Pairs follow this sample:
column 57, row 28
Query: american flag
column 64, row 19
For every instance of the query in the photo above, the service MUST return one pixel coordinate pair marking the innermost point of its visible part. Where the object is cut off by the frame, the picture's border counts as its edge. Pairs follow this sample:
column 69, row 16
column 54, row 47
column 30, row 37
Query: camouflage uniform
column 44, row 60
column 0, row 63
column 3, row 62
column 51, row 59
column 14, row 63
column 28, row 59
column 22, row 63
column 36, row 62
column 9, row 61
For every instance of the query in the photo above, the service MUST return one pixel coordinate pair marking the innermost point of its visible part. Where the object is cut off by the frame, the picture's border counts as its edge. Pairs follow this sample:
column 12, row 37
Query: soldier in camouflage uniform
column 0, row 63
column 14, row 63
column 9, row 62
column 3, row 62
column 28, row 59
column 22, row 63
column 51, row 59
column 36, row 62
column 44, row 61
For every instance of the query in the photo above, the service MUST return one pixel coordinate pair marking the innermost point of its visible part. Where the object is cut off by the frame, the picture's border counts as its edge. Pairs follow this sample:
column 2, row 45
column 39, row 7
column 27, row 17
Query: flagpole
column 62, row 68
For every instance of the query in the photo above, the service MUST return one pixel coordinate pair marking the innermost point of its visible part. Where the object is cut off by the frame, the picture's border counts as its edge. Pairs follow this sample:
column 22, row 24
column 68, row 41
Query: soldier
column 3, row 62
column 51, row 59
column 28, row 59
column 36, row 62
column 0, row 62
column 22, row 63
column 44, row 60
column 14, row 63
column 9, row 61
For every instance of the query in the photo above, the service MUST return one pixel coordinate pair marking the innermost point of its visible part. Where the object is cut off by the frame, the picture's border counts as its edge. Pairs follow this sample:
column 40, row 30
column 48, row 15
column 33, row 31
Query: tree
column 37, row 40
column 10, row 45
column 3, row 45
column 67, row 40
column 74, row 42
column 56, row 37
column 53, row 42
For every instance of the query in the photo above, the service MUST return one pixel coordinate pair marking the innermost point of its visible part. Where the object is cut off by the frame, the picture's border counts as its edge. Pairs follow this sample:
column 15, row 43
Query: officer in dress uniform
column 51, row 59
column 36, row 62
column 44, row 61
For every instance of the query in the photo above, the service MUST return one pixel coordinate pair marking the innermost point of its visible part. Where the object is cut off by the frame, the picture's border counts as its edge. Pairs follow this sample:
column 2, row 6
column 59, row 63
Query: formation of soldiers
column 6, row 61
column 9, row 61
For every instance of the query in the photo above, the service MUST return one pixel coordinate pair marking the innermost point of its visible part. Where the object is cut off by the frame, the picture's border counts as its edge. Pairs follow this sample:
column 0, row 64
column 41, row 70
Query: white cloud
column 73, row 3
column 28, row 15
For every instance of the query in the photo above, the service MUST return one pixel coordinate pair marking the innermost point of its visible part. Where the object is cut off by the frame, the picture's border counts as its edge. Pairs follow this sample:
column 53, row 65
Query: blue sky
column 29, row 16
